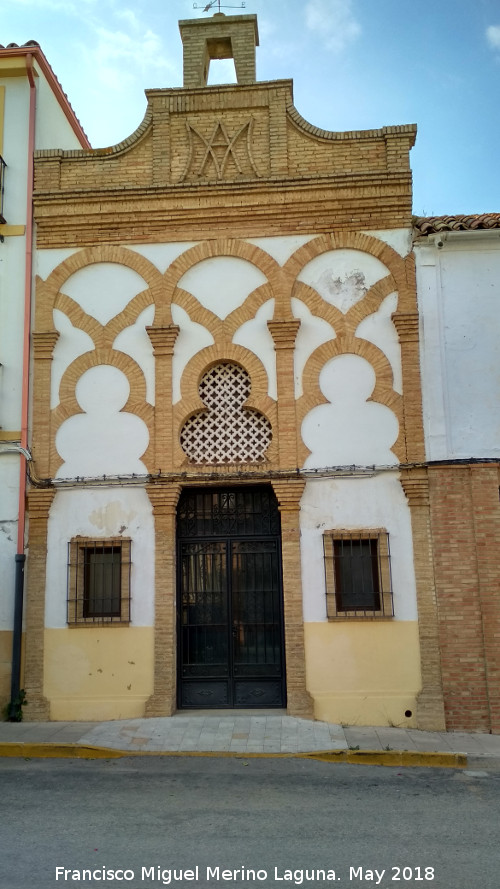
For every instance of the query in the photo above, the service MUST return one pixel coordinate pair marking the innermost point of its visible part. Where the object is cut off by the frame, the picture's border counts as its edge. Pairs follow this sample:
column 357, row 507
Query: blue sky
column 356, row 64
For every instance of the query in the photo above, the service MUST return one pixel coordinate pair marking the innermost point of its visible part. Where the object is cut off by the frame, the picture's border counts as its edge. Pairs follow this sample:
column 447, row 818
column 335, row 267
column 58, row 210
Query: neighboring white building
column 34, row 113
column 458, row 286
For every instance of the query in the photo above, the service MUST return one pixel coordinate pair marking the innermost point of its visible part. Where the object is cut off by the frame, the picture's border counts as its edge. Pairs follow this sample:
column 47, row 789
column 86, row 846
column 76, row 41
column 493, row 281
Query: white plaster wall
column 342, row 277
column 104, row 289
column 134, row 341
column 11, row 331
column 281, row 248
column 72, row 343
column 352, row 504
column 104, row 439
column 379, row 329
column 101, row 513
column 162, row 255
column 350, row 429
column 192, row 338
column 255, row 336
column 9, row 486
column 52, row 126
column 222, row 283
column 400, row 239
column 313, row 332
column 459, row 295
column 15, row 149
column 45, row 261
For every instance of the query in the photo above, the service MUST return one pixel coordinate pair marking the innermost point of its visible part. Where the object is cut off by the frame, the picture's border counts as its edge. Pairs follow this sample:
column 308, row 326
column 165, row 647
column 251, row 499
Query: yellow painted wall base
column 98, row 674
column 364, row 673
column 5, row 667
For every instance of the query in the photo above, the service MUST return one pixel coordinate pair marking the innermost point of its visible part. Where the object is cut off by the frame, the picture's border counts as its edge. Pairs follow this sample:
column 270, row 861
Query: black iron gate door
column 230, row 602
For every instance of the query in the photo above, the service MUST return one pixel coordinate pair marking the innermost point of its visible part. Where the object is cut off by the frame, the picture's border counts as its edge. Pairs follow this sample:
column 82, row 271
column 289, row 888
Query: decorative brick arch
column 69, row 407
column 48, row 290
column 401, row 279
column 398, row 267
column 223, row 330
column 383, row 392
column 279, row 283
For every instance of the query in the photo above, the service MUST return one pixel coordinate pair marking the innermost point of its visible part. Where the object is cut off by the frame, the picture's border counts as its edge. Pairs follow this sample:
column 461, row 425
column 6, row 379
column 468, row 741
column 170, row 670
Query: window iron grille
column 358, row 574
column 226, row 431
column 99, row 581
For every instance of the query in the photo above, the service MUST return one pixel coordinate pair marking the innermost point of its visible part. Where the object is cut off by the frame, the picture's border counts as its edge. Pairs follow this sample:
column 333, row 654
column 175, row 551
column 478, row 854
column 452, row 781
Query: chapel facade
column 231, row 502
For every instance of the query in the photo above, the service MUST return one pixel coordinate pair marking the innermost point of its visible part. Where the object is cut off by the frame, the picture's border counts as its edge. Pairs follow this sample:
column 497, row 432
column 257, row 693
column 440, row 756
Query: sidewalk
column 249, row 733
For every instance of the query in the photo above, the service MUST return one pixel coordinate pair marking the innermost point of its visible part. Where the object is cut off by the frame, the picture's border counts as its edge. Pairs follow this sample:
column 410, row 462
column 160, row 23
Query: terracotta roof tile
column 428, row 225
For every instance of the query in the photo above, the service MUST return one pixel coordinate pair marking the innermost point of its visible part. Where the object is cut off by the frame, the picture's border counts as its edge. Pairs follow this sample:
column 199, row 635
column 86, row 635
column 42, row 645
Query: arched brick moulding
column 383, row 392
column 191, row 402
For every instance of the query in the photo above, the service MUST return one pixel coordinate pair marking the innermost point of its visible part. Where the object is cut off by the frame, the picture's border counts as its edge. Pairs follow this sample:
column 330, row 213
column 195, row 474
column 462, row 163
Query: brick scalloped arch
column 221, row 247
column 68, row 406
column 51, row 286
column 401, row 269
column 382, row 393
column 223, row 330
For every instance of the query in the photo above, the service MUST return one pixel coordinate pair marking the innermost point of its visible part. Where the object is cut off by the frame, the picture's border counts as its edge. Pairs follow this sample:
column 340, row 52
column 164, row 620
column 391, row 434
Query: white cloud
column 493, row 36
column 333, row 21
column 117, row 57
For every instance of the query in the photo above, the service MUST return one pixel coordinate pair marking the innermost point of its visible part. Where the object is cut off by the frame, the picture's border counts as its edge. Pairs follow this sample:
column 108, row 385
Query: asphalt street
column 243, row 822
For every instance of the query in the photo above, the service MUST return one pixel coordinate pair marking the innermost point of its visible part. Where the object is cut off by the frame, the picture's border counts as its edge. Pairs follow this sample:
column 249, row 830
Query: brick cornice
column 163, row 339
column 416, row 487
column 43, row 344
column 39, row 503
column 406, row 325
column 163, row 496
column 194, row 212
column 289, row 493
column 284, row 333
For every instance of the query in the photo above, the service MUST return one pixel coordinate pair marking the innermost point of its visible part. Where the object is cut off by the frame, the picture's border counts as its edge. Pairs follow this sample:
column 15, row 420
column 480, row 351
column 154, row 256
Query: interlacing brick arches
column 345, row 326
column 50, row 296
column 223, row 332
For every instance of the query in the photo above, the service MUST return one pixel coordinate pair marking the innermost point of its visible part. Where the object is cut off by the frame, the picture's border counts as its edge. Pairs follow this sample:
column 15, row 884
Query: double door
column 230, row 632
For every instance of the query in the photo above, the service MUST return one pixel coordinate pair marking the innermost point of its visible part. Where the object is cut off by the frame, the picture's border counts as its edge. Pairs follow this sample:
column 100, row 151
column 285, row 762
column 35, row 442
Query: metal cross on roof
column 219, row 6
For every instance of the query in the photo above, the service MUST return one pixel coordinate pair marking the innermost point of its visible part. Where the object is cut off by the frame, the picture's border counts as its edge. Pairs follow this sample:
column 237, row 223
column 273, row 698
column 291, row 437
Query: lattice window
column 226, row 432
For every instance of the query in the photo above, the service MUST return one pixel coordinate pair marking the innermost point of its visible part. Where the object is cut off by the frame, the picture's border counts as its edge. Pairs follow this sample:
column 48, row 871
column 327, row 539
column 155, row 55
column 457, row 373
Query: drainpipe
column 28, row 277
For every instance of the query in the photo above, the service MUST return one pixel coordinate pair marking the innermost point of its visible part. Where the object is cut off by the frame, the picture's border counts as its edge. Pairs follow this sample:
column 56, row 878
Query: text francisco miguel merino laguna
column 166, row 876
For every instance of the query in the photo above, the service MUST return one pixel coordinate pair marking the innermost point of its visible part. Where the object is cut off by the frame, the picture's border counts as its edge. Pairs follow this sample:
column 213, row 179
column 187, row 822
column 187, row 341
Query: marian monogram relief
column 220, row 154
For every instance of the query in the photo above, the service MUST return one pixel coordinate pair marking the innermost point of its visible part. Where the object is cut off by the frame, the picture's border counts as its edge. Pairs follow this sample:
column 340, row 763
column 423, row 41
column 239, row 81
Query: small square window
column 358, row 575
column 98, row 581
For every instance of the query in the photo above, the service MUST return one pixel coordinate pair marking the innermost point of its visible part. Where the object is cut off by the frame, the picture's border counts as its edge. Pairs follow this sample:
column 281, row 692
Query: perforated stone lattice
column 226, row 432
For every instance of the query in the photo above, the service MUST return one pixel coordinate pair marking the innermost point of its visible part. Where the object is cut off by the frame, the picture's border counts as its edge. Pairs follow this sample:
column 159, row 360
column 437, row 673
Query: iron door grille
column 230, row 599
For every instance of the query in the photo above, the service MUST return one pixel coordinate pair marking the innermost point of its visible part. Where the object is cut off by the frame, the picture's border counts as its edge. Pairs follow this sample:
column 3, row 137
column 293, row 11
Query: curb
column 354, row 757
column 413, row 758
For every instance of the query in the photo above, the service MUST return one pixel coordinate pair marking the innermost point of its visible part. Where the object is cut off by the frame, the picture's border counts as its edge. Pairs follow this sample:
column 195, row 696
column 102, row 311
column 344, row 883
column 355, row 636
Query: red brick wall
column 465, row 517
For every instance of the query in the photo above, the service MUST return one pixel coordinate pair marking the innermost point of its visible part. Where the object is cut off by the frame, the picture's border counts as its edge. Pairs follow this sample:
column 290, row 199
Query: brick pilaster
column 407, row 327
column 299, row 701
column 164, row 497
column 43, row 349
column 163, row 341
column 284, row 334
column 430, row 706
column 38, row 707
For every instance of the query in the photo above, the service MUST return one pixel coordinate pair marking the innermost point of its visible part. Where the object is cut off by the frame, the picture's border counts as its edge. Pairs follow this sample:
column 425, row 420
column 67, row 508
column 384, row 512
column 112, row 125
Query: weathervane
column 217, row 3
